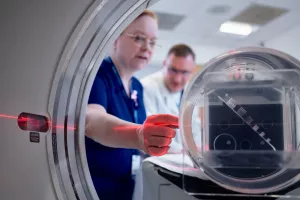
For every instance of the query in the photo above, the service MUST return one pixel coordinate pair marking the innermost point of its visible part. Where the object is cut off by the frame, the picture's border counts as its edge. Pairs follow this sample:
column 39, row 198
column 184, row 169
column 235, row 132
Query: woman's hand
column 156, row 134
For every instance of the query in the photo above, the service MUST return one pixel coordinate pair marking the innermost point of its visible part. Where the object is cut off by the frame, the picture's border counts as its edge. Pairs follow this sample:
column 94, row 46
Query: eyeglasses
column 142, row 40
column 174, row 71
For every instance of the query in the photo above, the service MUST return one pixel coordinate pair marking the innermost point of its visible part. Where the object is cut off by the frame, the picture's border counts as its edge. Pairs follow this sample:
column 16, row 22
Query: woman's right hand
column 155, row 135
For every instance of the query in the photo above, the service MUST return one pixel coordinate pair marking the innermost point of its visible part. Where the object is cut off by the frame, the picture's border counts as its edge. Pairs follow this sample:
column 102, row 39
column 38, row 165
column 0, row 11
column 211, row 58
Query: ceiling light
column 237, row 28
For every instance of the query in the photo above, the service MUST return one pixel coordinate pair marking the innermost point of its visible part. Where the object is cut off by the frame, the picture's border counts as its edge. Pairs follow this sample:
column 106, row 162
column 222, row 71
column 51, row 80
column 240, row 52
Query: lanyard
column 178, row 105
column 127, row 99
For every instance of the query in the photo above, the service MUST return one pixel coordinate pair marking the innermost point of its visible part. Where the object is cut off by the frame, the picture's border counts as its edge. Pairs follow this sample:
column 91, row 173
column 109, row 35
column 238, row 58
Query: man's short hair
column 182, row 50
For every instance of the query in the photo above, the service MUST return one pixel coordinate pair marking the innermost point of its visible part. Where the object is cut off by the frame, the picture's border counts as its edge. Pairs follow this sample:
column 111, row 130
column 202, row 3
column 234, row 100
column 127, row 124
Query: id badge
column 136, row 164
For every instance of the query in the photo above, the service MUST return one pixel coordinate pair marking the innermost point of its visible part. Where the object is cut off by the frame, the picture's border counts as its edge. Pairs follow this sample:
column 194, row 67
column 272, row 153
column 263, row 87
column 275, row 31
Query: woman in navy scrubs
column 116, row 123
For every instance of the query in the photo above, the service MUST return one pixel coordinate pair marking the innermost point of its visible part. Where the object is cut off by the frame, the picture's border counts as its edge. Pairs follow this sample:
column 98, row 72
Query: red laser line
column 23, row 119
column 8, row 116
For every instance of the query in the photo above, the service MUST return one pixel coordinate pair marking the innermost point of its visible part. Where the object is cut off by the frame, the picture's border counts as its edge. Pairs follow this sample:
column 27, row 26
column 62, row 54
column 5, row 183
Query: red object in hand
column 156, row 134
column 174, row 126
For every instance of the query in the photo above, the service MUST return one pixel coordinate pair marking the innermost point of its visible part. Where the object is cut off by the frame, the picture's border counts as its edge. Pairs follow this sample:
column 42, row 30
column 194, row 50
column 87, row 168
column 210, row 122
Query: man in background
column 163, row 90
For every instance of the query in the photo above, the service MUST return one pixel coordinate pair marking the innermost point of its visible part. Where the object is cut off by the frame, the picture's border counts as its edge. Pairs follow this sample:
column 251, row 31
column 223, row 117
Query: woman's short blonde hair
column 148, row 13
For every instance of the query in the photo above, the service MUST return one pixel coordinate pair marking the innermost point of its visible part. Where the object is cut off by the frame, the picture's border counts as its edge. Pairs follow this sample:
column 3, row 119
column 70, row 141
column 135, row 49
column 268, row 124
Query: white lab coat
column 159, row 100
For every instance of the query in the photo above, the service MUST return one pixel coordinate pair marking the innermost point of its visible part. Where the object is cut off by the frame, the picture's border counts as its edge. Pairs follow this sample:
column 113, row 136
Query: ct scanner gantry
column 50, row 52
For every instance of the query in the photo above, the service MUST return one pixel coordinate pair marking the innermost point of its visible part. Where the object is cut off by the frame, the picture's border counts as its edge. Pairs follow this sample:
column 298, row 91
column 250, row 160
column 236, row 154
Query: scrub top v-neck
column 109, row 167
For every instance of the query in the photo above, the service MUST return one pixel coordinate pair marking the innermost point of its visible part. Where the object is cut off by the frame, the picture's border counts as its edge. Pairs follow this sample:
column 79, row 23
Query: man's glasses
column 174, row 71
column 142, row 41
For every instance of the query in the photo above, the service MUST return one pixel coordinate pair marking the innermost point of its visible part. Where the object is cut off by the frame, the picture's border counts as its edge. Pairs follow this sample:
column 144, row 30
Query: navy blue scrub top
column 110, row 168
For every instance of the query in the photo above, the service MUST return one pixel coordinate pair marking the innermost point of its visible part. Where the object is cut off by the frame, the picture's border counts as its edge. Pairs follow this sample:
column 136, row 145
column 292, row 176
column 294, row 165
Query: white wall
column 288, row 42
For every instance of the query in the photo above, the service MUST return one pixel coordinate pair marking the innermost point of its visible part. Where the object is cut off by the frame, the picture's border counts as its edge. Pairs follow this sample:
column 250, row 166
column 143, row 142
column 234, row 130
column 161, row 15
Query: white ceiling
column 199, row 29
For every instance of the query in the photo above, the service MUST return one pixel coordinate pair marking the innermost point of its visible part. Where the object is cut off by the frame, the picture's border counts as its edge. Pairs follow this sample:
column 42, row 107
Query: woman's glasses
column 142, row 41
